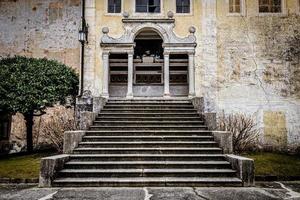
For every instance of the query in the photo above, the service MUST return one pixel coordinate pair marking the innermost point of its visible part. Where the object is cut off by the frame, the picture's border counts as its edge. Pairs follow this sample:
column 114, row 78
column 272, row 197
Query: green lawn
column 275, row 164
column 26, row 166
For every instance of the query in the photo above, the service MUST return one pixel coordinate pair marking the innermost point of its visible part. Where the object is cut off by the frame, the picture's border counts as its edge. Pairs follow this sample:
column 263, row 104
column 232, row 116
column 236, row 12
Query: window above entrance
column 114, row 6
column 147, row 6
column 183, row 6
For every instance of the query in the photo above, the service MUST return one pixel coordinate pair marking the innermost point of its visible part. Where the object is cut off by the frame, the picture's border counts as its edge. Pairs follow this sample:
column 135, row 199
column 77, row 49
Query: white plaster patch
column 48, row 196
column 147, row 195
column 291, row 193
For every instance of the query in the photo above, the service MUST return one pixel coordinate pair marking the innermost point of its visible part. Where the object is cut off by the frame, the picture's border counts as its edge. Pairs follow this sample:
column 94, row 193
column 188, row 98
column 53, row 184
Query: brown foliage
column 56, row 124
column 244, row 129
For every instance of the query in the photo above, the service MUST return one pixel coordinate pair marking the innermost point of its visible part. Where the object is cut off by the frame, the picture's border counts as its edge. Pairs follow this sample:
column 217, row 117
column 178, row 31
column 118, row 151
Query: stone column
column 130, row 75
column 191, row 75
column 166, row 75
column 105, row 58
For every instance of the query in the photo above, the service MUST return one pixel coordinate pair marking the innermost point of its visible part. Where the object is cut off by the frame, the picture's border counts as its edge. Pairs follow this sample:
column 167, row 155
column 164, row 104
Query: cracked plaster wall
column 41, row 28
column 252, row 75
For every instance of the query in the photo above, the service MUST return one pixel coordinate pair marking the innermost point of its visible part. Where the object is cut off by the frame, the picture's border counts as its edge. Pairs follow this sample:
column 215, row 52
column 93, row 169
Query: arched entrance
column 148, row 60
column 148, row 64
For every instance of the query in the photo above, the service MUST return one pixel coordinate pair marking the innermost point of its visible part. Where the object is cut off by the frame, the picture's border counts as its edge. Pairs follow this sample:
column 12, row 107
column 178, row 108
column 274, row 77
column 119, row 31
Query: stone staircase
column 135, row 143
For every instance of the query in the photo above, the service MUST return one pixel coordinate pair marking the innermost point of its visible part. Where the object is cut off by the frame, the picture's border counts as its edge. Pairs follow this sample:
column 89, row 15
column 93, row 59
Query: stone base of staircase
column 139, row 143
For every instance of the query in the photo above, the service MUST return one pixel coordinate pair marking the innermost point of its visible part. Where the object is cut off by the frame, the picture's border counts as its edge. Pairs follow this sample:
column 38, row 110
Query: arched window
column 270, row 6
column 183, row 6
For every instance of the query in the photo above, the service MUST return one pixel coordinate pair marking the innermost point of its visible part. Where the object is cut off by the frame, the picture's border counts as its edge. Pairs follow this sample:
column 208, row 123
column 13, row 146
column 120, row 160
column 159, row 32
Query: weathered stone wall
column 254, row 77
column 39, row 28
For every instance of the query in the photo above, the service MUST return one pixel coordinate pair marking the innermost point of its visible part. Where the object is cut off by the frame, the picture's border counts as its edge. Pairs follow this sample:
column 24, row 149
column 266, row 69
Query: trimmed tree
column 30, row 85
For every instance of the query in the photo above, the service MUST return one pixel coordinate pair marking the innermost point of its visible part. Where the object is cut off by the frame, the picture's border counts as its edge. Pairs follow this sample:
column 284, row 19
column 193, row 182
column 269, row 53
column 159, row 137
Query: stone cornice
column 146, row 20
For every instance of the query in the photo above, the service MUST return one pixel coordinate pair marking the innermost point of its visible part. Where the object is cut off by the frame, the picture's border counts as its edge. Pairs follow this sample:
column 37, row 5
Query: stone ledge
column 198, row 103
column 244, row 167
column 49, row 167
column 224, row 139
column 87, row 109
column 71, row 140
column 210, row 119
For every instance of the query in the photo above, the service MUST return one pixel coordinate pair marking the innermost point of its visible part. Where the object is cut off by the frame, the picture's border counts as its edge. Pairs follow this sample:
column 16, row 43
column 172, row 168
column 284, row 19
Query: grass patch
column 275, row 164
column 28, row 166
column 21, row 166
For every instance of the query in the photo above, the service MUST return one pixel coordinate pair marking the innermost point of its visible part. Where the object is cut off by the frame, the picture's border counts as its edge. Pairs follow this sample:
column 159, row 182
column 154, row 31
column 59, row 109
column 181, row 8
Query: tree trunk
column 29, row 125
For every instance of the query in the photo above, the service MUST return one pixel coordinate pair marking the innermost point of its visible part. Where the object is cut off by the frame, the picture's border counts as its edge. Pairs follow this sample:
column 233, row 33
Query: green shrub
column 29, row 85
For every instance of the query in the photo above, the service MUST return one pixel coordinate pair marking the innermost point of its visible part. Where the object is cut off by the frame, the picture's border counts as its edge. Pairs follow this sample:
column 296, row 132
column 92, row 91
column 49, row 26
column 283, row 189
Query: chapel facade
column 233, row 54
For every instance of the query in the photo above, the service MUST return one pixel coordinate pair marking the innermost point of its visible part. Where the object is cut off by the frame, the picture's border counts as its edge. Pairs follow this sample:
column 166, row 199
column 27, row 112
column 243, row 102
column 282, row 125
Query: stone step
column 126, row 123
column 123, row 138
column 153, row 104
column 150, row 127
column 134, row 118
column 149, row 106
column 148, row 164
column 146, row 172
column 147, row 142
column 152, row 110
column 148, row 182
column 148, row 133
column 160, row 150
column 142, row 144
column 148, row 101
column 147, row 157
column 153, row 114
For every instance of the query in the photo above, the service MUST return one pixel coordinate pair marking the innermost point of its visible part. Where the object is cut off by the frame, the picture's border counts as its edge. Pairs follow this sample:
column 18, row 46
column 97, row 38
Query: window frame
column 243, row 10
column 145, row 14
column 114, row 14
column 283, row 12
column 188, row 13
